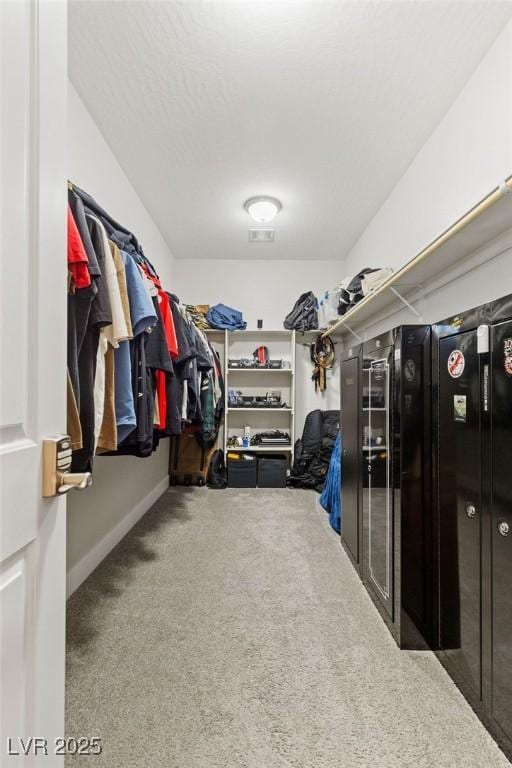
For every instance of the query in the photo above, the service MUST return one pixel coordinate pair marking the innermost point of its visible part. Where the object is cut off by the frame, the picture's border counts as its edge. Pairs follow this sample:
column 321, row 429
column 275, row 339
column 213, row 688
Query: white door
column 33, row 374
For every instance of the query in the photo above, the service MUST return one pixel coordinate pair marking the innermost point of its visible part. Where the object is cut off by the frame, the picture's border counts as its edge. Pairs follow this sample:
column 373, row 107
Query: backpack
column 217, row 471
column 304, row 315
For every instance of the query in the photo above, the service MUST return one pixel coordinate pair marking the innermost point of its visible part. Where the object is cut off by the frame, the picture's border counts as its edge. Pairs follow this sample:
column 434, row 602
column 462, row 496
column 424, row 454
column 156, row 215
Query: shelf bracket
column 404, row 301
column 358, row 337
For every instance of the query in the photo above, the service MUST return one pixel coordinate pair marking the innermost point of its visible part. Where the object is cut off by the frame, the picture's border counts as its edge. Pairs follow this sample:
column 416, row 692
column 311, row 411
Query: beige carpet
column 229, row 630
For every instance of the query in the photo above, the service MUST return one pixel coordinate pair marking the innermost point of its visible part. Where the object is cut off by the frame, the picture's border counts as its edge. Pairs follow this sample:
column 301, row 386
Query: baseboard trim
column 93, row 558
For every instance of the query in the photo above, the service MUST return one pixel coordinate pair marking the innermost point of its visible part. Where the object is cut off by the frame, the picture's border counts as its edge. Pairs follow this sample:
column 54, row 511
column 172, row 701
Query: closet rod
column 496, row 194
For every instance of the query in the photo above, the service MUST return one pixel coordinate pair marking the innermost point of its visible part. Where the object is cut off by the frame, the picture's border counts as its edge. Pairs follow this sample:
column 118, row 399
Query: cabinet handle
column 503, row 528
column 470, row 510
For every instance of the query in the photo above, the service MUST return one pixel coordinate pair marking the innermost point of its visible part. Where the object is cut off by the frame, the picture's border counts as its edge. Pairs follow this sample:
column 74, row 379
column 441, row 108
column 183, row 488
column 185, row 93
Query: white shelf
column 260, row 370
column 260, row 410
column 260, row 332
column 262, row 449
column 281, row 344
column 486, row 221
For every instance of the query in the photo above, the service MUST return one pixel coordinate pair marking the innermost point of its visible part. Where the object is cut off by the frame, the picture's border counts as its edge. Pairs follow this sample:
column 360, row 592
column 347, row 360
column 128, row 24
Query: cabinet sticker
column 456, row 364
column 507, row 356
column 460, row 408
column 410, row 370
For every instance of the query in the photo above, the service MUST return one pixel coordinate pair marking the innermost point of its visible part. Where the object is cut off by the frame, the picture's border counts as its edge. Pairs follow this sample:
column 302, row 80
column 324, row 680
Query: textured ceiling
column 322, row 104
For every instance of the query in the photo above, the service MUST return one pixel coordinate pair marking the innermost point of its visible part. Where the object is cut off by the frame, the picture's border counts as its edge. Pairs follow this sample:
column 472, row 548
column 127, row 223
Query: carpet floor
column 229, row 630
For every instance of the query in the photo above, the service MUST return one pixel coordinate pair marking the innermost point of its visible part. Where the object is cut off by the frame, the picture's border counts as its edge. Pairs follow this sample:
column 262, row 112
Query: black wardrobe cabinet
column 386, row 477
column 351, row 455
column 472, row 411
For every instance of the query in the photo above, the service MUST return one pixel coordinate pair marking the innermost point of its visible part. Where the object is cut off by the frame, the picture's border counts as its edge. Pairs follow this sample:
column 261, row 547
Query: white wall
column 468, row 155
column 124, row 487
column 266, row 290
column 261, row 289
column 306, row 399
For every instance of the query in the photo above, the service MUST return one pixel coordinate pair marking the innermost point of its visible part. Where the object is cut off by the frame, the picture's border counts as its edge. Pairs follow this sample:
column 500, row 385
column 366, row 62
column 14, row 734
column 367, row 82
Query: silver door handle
column 470, row 510
column 68, row 480
column 503, row 528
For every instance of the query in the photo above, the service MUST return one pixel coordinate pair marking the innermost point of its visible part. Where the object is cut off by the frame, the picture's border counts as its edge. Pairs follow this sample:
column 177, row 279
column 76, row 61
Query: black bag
column 304, row 315
column 354, row 292
column 217, row 477
column 312, row 453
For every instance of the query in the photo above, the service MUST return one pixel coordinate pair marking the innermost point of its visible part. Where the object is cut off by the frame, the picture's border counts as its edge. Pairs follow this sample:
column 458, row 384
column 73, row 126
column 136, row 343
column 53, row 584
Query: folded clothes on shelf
column 225, row 318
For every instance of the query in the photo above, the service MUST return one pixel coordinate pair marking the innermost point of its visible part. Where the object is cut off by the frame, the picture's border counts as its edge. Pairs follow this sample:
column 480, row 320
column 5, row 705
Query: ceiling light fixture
column 263, row 208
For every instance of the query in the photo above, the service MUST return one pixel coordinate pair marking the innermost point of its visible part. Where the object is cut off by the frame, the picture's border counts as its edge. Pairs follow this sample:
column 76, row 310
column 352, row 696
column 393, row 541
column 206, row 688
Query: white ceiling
column 321, row 104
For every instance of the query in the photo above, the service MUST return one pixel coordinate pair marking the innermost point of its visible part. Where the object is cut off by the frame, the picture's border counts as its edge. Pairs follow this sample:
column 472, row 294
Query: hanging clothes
column 176, row 383
column 78, row 263
column 99, row 315
column 109, row 339
column 143, row 317
column 138, row 367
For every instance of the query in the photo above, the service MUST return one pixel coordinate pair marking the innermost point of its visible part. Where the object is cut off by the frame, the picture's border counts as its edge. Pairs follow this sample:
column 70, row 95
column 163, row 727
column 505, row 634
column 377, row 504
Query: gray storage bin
column 242, row 473
column 272, row 471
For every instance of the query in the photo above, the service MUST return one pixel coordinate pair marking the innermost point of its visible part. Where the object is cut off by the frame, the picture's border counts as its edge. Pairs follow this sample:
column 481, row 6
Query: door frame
column 34, row 529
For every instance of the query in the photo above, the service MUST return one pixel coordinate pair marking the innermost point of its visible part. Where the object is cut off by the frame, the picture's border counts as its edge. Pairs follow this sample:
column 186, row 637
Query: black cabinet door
column 502, row 525
column 377, row 499
column 350, row 457
column 412, row 485
column 460, row 504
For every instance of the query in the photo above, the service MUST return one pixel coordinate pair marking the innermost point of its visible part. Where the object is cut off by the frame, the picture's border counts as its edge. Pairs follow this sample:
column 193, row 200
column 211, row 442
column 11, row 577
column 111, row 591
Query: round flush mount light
column 263, row 208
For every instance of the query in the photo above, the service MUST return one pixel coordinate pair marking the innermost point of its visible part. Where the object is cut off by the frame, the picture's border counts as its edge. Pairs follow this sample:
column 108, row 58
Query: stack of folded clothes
column 198, row 314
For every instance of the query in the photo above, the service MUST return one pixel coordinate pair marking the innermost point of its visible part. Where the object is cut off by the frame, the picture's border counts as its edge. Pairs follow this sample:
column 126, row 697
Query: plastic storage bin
column 272, row 471
column 242, row 473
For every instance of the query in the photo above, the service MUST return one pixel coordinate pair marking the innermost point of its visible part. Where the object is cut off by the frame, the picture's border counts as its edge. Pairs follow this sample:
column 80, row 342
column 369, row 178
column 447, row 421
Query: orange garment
column 172, row 345
column 161, row 393
column 165, row 311
column 167, row 319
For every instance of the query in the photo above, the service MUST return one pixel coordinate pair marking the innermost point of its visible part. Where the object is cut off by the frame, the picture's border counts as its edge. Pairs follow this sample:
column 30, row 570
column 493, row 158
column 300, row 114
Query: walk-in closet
column 256, row 391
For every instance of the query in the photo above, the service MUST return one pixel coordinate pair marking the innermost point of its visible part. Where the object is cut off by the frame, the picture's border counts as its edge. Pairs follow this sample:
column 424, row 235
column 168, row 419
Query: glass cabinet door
column 377, row 500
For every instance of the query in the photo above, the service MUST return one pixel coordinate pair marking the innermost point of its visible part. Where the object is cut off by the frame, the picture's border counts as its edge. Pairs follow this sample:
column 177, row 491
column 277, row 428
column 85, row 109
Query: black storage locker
column 386, row 477
column 501, row 524
column 472, row 361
